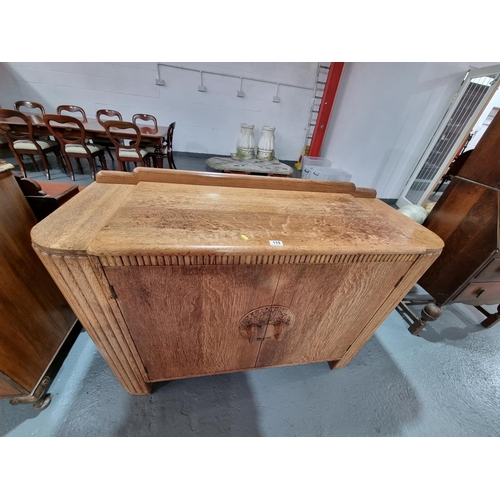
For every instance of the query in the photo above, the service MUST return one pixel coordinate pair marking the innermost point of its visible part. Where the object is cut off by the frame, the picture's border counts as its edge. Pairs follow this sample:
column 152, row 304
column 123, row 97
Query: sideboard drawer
column 477, row 294
column 490, row 273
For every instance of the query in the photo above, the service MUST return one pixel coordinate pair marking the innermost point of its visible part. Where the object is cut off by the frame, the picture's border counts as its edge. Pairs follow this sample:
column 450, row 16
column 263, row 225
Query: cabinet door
column 185, row 320
column 331, row 303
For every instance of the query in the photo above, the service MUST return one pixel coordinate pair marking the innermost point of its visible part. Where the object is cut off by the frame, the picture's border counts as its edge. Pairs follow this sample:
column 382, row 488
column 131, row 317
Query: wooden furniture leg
column 79, row 163
column 430, row 312
column 60, row 160
column 491, row 319
column 70, row 167
column 102, row 159
column 110, row 155
column 158, row 157
column 33, row 160
column 20, row 163
column 46, row 166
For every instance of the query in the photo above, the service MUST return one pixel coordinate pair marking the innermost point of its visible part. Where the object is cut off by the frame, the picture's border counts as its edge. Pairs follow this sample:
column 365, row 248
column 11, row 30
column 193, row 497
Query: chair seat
column 151, row 149
column 77, row 148
column 30, row 145
column 131, row 153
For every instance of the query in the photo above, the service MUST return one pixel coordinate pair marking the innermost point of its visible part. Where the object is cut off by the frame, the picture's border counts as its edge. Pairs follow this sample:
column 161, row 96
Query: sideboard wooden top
column 191, row 218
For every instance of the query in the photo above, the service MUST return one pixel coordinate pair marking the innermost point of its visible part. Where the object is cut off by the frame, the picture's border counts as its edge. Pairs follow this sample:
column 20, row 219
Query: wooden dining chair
column 26, row 143
column 72, row 109
column 151, row 126
column 30, row 105
column 170, row 147
column 131, row 152
column 105, row 141
column 73, row 143
column 146, row 118
column 167, row 148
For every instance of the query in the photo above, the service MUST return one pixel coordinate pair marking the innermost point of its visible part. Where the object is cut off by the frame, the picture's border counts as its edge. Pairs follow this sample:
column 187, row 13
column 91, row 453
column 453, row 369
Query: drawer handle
column 480, row 292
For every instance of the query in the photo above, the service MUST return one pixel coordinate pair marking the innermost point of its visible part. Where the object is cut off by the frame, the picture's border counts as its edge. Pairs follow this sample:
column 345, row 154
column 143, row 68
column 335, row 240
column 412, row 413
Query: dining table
column 93, row 130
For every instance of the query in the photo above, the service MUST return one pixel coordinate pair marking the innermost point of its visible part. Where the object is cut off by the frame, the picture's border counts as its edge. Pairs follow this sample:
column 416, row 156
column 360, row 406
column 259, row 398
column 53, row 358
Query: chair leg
column 19, row 159
column 92, row 167
column 102, row 159
column 34, row 162
column 70, row 167
column 79, row 163
column 170, row 158
column 60, row 160
column 147, row 161
column 46, row 165
column 110, row 155
column 121, row 166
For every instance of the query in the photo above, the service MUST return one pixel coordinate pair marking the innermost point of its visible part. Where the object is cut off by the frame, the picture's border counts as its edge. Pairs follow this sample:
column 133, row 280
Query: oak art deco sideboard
column 179, row 274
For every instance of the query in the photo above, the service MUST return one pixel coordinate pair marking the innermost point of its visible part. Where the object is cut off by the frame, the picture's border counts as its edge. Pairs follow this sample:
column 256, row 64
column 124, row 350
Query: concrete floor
column 444, row 383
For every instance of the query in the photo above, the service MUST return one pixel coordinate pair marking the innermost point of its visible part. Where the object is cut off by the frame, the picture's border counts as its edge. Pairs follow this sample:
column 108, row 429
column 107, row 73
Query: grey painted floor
column 444, row 383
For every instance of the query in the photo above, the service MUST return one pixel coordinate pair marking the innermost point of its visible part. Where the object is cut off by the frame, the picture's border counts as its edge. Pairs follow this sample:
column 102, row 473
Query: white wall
column 384, row 116
column 205, row 122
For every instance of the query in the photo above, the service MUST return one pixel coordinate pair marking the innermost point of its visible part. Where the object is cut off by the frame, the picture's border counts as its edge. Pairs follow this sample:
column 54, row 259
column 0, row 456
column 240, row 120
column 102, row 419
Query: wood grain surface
column 34, row 316
column 332, row 304
column 483, row 165
column 466, row 218
column 490, row 273
column 185, row 320
column 162, row 266
column 8, row 390
column 477, row 294
column 169, row 219
column 386, row 305
column 142, row 174
column 90, row 298
column 199, row 260
column 72, row 227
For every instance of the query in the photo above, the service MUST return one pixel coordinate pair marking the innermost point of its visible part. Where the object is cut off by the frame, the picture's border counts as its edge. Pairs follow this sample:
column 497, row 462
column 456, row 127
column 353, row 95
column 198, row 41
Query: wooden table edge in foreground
column 82, row 276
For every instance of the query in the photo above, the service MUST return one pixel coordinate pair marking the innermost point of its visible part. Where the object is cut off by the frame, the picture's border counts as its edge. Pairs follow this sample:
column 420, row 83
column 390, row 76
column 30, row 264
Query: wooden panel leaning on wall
column 35, row 318
column 178, row 274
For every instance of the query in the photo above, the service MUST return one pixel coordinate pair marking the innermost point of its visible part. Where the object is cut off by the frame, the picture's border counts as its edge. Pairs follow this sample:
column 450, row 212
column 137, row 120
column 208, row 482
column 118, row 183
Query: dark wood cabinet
column 35, row 318
column 466, row 217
